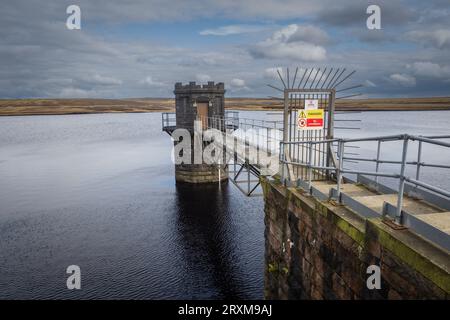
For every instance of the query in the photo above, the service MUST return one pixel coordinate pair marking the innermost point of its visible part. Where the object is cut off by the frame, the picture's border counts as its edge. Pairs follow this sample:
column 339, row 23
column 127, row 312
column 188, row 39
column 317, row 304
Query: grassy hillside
column 78, row 106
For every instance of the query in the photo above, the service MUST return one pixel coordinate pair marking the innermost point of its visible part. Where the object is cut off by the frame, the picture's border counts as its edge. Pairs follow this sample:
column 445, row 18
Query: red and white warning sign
column 310, row 118
column 302, row 122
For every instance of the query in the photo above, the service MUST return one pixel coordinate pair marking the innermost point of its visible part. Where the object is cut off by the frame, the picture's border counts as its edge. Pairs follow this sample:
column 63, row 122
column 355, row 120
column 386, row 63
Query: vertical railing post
column 248, row 177
column 330, row 122
column 234, row 165
column 377, row 166
column 401, row 187
column 419, row 159
column 282, row 161
column 285, row 127
column 309, row 166
column 340, row 168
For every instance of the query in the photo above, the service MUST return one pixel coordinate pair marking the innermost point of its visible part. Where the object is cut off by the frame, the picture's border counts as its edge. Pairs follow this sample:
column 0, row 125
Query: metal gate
column 314, row 84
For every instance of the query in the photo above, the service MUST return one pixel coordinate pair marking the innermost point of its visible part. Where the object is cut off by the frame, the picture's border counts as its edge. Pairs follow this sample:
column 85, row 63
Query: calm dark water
column 98, row 191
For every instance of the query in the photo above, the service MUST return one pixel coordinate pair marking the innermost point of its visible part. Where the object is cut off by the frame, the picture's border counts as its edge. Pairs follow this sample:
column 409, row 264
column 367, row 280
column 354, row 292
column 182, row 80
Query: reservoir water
column 98, row 191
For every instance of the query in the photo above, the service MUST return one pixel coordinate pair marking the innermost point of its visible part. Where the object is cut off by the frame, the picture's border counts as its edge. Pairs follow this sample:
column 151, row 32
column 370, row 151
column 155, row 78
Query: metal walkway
column 418, row 214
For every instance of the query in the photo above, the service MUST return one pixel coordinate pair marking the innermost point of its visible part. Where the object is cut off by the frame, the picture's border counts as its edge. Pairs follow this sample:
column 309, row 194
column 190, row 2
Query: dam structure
column 335, row 221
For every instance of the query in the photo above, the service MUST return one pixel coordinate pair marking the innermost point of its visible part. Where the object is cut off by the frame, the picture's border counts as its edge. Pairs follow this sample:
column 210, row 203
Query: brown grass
column 79, row 106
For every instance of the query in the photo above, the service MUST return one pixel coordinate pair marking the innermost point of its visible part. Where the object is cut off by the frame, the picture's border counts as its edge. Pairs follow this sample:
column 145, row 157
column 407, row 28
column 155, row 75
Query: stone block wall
column 317, row 250
column 200, row 173
column 186, row 95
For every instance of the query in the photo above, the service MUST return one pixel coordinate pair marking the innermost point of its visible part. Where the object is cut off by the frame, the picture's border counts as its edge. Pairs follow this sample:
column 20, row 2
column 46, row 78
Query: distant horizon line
column 248, row 98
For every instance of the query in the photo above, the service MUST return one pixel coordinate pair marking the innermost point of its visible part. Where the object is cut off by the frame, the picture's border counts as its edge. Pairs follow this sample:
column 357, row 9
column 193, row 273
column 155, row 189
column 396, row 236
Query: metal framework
column 401, row 176
column 168, row 121
column 265, row 137
column 318, row 84
column 411, row 186
column 250, row 175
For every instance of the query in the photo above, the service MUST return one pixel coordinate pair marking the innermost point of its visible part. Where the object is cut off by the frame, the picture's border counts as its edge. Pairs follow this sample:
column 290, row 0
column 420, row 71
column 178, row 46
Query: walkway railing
column 308, row 163
column 168, row 120
column 250, row 149
column 230, row 120
column 262, row 134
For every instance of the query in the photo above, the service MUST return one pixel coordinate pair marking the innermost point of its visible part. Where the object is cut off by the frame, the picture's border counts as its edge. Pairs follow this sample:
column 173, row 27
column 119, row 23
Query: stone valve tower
column 201, row 104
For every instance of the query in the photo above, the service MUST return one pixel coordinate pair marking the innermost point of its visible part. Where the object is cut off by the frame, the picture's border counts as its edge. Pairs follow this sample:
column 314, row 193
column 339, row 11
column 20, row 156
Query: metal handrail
column 168, row 119
column 267, row 140
column 401, row 176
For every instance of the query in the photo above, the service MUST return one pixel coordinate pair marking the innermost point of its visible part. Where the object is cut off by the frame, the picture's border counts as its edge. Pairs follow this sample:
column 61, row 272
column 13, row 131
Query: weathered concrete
column 318, row 250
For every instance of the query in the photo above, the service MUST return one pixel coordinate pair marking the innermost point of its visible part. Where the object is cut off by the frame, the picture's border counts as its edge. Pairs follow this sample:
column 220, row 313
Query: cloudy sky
column 141, row 48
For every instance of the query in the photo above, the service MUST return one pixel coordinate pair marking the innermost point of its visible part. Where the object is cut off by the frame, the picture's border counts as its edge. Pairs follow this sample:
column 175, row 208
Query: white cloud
column 295, row 32
column 233, row 30
column 403, row 79
column 149, row 81
column 272, row 73
column 439, row 38
column 295, row 51
column 238, row 86
column 307, row 33
column 237, row 83
column 292, row 42
column 202, row 77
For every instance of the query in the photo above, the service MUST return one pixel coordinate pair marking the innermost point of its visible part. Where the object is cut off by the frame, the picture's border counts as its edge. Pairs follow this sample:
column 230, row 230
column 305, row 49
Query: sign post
column 310, row 118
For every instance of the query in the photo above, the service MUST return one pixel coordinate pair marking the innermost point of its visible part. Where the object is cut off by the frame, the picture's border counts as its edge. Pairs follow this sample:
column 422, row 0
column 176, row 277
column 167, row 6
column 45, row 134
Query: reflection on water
column 213, row 243
column 98, row 191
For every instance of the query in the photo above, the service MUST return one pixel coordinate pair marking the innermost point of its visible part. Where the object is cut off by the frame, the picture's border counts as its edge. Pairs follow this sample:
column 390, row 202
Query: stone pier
column 200, row 173
column 320, row 250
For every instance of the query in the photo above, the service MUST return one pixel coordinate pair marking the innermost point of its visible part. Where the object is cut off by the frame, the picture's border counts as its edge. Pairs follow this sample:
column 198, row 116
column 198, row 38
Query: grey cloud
column 233, row 30
column 309, row 33
column 403, row 79
column 427, row 69
column 97, row 79
column 353, row 13
column 41, row 58
column 292, row 43
column 373, row 36
column 439, row 38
